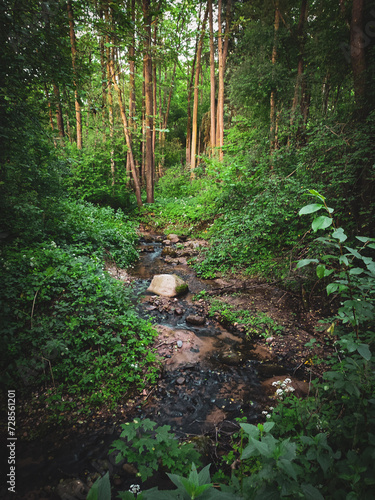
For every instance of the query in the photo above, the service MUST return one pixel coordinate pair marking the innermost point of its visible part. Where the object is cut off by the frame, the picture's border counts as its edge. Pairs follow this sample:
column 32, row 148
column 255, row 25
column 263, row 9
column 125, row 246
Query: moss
column 181, row 289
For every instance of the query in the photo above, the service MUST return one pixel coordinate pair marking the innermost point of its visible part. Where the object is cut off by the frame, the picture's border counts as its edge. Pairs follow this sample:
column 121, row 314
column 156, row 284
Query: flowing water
column 209, row 379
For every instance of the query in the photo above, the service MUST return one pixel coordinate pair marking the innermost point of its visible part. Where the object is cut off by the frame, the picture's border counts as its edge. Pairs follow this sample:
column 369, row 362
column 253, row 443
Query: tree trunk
column 147, row 64
column 212, row 80
column 273, row 144
column 50, row 115
column 299, row 87
column 222, row 50
column 132, row 103
column 133, row 167
column 110, row 55
column 74, row 59
column 357, row 54
column 59, row 114
column 196, row 97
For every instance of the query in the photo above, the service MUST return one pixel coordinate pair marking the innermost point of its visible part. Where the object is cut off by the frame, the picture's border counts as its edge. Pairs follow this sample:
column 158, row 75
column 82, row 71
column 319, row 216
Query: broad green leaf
column 101, row 489
column 249, row 451
column 356, row 270
column 288, row 467
column 267, row 426
column 332, row 288
column 321, row 222
column 310, row 209
column 364, row 351
column 344, row 260
column 204, row 475
column 320, row 270
column 250, row 429
column 364, row 239
column 311, row 493
column 354, row 252
column 339, row 234
column 306, row 262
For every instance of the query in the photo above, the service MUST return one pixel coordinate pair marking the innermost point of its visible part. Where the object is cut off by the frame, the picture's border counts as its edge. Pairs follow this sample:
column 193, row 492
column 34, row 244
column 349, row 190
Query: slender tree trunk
column 212, row 80
column 74, row 59
column 299, row 87
column 59, row 114
column 273, row 144
column 132, row 103
column 110, row 56
column 50, row 115
column 223, row 51
column 357, row 53
column 196, row 97
column 104, row 87
column 147, row 63
column 125, row 124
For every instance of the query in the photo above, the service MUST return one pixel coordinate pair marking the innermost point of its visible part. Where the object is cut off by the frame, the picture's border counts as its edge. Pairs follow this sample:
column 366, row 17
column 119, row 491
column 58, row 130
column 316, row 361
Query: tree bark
column 74, row 60
column 196, row 97
column 110, row 56
column 273, row 144
column 59, row 114
column 357, row 54
column 222, row 52
column 147, row 64
column 300, row 84
column 212, row 80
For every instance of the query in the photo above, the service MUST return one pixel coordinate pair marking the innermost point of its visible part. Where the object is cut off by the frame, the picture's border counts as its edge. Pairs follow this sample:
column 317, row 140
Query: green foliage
column 67, row 323
column 101, row 489
column 255, row 324
column 150, row 449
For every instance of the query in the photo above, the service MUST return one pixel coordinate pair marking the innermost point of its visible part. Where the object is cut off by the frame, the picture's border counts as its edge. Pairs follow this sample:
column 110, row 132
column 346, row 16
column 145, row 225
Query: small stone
column 179, row 343
column 179, row 311
column 180, row 380
column 194, row 319
column 269, row 339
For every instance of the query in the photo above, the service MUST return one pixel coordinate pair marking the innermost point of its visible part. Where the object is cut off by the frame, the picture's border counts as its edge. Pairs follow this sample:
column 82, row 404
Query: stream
column 210, row 378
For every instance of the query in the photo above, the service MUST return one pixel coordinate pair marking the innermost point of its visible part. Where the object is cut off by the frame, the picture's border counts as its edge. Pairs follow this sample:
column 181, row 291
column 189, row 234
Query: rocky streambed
column 210, row 375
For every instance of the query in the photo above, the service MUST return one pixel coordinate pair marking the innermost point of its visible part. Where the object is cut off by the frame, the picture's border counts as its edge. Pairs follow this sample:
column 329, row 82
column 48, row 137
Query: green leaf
column 364, row 351
column 339, row 234
column 356, row 270
column 332, row 288
column 101, row 489
column 309, row 209
column 250, row 429
column 306, row 262
column 318, row 195
column 311, row 493
column 363, row 239
column 320, row 271
column 354, row 252
column 267, row 426
column 288, row 467
column 321, row 222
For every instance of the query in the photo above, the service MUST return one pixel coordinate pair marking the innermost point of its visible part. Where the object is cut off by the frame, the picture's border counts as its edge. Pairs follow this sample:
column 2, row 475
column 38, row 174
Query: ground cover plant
column 67, row 325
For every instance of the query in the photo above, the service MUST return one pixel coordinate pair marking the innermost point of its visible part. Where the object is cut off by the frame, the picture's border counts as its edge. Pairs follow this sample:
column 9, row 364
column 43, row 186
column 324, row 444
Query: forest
column 241, row 133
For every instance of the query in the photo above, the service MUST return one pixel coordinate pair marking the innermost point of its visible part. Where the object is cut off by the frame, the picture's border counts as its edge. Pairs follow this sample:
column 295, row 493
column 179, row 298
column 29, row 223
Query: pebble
column 179, row 343
column 180, row 380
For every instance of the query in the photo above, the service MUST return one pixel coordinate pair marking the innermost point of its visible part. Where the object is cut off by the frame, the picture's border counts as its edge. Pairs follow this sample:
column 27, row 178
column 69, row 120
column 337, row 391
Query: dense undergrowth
column 67, row 325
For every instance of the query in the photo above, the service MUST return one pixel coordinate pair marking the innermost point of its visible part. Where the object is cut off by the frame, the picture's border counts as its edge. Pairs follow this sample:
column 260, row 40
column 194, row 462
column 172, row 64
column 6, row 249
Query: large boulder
column 168, row 285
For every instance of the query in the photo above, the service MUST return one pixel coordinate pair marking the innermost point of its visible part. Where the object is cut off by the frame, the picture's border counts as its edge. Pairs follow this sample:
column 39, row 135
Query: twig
column 32, row 309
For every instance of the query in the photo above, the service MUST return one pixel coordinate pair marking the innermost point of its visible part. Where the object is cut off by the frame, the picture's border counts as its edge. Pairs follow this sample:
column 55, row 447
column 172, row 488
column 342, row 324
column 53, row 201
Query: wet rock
column 173, row 238
column 179, row 311
column 180, row 380
column 72, row 489
column 301, row 388
column 169, row 251
column 194, row 319
column 179, row 343
column 262, row 353
column 130, row 469
column 168, row 285
column 166, row 242
column 270, row 370
column 148, row 238
column 230, row 358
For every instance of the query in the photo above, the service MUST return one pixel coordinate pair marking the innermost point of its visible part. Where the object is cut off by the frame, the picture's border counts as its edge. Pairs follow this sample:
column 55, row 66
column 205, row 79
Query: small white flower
column 264, row 412
column 287, row 381
column 135, row 488
column 268, row 415
column 279, row 392
column 275, row 384
column 271, row 408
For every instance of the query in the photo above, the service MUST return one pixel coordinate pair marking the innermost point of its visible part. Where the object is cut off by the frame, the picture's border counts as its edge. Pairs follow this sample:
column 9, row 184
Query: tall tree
column 74, row 64
column 147, row 64
column 196, row 97
column 222, row 53
column 357, row 54
column 212, row 81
